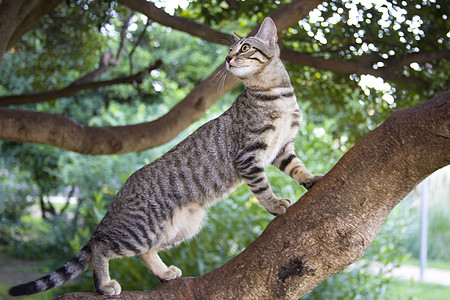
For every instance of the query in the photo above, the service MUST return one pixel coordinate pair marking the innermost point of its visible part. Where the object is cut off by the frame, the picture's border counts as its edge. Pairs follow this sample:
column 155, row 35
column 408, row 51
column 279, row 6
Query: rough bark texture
column 335, row 222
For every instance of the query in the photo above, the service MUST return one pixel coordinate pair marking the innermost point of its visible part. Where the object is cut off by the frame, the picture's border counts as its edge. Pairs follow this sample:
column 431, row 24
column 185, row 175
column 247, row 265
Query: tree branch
column 418, row 57
column 108, row 57
column 160, row 16
column 18, row 16
column 141, row 36
column 284, row 17
column 333, row 224
column 86, row 81
column 81, row 84
column 29, row 15
column 364, row 65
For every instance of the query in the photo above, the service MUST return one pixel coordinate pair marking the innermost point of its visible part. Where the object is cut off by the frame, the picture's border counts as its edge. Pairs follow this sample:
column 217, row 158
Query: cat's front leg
column 256, row 180
column 290, row 164
column 154, row 263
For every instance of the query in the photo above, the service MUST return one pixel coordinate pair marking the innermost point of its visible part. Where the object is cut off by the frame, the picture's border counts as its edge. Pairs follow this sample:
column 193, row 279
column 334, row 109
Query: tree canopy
column 111, row 51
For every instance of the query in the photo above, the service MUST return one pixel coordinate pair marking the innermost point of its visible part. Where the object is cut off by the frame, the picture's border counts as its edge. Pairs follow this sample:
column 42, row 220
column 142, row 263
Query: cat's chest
column 285, row 124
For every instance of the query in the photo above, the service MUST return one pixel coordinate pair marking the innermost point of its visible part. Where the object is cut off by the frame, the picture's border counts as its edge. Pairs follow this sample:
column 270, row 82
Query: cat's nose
column 228, row 58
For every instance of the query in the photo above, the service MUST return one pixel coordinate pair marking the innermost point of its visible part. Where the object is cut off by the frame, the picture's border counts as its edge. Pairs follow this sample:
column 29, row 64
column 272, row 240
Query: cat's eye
column 245, row 48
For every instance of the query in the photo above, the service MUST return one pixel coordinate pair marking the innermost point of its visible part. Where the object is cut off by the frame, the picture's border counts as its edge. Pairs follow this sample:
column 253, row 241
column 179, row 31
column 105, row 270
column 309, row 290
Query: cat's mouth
column 229, row 66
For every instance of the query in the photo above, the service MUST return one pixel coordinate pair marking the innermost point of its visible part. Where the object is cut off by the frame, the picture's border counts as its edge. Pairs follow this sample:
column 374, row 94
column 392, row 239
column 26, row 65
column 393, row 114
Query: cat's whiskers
column 228, row 40
column 226, row 75
column 219, row 78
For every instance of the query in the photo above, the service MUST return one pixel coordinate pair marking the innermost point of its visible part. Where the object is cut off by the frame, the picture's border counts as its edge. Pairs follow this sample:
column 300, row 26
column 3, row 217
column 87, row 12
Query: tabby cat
column 164, row 203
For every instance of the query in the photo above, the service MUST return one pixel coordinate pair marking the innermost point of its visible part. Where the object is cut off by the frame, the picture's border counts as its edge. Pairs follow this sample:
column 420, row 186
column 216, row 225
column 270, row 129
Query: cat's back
column 198, row 169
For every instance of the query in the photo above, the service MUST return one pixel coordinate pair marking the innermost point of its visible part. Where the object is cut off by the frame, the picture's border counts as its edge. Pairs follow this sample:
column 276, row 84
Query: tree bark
column 332, row 225
column 18, row 16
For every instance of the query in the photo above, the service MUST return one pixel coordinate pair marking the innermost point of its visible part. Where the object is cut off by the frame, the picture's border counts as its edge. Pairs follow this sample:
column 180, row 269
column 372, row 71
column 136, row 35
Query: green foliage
column 215, row 13
column 15, row 196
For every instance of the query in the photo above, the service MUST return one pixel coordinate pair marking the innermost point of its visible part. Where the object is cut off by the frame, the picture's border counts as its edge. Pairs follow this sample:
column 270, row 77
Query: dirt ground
column 14, row 271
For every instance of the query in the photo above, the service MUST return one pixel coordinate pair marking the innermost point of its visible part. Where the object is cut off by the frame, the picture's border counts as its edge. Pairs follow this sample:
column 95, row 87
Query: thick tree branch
column 160, row 16
column 285, row 17
column 79, row 85
column 418, row 57
column 332, row 225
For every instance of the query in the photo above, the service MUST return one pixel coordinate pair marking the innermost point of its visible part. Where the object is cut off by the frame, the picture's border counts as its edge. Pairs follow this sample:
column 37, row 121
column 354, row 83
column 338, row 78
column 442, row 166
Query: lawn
column 436, row 264
column 411, row 290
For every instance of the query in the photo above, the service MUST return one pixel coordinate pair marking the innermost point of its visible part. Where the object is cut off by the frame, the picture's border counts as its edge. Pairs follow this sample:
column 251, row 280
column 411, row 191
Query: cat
column 164, row 202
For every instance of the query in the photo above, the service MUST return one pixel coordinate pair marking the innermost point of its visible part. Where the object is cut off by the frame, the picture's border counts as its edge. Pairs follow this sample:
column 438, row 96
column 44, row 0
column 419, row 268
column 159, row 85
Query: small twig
column 141, row 36
column 73, row 89
column 123, row 36
column 72, row 190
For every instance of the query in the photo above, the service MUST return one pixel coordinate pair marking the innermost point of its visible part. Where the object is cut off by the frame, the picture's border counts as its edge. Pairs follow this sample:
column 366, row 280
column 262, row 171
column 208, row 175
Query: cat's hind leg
column 103, row 283
column 186, row 221
column 164, row 273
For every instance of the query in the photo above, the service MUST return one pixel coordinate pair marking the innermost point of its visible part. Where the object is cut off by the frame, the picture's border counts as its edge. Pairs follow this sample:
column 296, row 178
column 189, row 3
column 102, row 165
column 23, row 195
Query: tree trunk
column 332, row 225
column 18, row 16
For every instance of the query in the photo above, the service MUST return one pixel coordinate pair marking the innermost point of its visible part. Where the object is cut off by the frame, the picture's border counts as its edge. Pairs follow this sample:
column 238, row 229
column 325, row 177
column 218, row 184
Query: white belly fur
column 185, row 223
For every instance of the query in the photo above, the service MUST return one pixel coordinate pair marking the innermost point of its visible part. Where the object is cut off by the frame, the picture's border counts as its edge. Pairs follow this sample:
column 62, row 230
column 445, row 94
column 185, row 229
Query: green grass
column 412, row 290
column 436, row 264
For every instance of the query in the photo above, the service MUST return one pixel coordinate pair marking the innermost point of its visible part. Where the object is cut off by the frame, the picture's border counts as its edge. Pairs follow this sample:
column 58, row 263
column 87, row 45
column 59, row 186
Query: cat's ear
column 237, row 38
column 268, row 31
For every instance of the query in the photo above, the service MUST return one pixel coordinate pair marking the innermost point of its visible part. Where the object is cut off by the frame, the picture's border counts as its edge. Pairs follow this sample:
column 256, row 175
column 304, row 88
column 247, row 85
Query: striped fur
column 164, row 203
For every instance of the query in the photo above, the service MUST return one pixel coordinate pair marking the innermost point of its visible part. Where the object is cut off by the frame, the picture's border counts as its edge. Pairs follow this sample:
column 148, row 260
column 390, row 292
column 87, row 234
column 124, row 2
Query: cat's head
column 249, row 55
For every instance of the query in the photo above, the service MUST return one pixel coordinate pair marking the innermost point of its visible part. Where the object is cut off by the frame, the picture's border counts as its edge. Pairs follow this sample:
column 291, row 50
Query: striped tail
column 69, row 271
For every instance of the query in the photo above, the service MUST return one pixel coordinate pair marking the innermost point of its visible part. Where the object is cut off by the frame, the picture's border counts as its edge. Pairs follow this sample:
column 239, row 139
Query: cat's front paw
column 280, row 206
column 312, row 181
column 171, row 274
